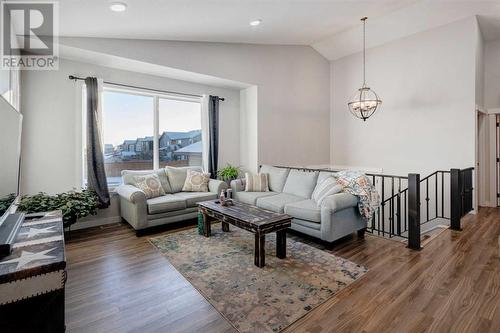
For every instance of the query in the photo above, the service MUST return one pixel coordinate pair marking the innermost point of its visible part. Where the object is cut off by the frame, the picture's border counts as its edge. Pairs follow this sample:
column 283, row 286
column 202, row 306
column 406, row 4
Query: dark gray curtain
column 213, row 134
column 96, row 175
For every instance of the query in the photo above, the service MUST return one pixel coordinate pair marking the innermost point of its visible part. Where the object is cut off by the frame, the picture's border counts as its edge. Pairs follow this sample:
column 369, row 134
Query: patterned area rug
column 250, row 298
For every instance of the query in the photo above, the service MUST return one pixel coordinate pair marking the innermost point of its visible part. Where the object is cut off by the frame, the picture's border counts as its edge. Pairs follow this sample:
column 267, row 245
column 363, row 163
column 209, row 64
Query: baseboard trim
column 96, row 222
column 487, row 204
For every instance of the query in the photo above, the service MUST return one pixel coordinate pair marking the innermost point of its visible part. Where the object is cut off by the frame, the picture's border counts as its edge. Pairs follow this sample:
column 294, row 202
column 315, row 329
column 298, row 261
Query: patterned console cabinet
column 33, row 276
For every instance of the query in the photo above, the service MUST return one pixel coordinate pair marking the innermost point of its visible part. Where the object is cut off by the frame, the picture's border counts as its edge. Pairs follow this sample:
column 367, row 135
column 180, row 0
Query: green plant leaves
column 229, row 172
column 73, row 204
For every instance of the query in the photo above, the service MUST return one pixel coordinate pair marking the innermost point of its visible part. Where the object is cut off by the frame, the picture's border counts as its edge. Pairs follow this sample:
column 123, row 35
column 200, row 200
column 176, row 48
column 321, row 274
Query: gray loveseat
column 290, row 192
column 142, row 213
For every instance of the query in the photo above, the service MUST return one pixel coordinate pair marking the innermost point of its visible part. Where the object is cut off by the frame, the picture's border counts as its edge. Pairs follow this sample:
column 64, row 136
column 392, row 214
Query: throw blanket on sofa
column 358, row 184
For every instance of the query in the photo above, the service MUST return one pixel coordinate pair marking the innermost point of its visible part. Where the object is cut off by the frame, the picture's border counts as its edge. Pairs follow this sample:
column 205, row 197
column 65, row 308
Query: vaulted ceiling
column 332, row 27
column 284, row 21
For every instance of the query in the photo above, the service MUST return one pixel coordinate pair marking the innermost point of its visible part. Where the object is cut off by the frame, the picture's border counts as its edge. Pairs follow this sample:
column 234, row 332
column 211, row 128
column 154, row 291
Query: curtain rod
column 73, row 77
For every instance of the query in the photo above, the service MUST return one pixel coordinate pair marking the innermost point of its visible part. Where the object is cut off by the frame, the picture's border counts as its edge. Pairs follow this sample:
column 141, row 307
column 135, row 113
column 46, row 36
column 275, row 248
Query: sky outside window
column 126, row 117
column 179, row 116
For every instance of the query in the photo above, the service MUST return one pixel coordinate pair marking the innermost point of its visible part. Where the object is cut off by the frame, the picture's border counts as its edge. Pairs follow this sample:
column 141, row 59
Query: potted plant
column 228, row 173
column 73, row 204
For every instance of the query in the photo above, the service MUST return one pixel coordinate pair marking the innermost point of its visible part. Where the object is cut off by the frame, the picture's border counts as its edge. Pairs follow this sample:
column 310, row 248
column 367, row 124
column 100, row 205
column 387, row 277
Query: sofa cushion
column 251, row 197
column 327, row 187
column 165, row 203
column 277, row 202
column 275, row 176
column 177, row 176
column 323, row 175
column 300, row 183
column 128, row 177
column 175, row 213
column 196, row 181
column 192, row 198
column 307, row 224
column 304, row 210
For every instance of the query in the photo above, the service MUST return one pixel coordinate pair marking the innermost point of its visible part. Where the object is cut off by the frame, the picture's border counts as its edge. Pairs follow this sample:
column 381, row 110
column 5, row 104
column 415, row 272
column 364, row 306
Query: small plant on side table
column 228, row 173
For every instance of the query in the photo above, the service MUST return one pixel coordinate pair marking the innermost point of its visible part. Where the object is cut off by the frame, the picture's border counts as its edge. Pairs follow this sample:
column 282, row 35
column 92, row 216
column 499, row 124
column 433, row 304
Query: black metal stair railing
column 390, row 218
column 446, row 195
column 395, row 207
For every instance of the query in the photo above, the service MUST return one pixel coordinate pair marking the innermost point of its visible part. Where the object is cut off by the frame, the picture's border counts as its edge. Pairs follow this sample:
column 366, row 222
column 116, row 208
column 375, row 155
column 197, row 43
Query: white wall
column 293, row 87
column 492, row 74
column 427, row 119
column 249, row 129
column 51, row 157
column 481, row 169
column 480, row 80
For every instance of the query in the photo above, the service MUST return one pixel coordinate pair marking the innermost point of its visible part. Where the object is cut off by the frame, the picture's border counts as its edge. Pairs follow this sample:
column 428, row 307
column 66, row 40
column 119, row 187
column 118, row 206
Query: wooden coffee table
column 250, row 218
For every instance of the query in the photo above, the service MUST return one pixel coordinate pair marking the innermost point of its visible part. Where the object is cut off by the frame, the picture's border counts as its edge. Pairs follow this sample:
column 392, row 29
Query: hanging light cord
column 364, row 49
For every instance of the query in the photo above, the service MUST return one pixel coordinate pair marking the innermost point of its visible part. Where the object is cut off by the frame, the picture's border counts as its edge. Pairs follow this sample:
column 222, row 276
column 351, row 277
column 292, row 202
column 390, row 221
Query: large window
column 133, row 121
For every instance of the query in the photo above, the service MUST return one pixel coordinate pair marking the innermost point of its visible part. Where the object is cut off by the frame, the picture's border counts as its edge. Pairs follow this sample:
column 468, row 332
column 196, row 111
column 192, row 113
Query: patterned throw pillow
column 256, row 183
column 196, row 181
column 149, row 184
column 327, row 187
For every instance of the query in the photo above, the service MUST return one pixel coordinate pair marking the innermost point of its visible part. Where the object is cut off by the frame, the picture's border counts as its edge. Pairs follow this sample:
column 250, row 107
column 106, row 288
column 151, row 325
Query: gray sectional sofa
column 142, row 213
column 290, row 192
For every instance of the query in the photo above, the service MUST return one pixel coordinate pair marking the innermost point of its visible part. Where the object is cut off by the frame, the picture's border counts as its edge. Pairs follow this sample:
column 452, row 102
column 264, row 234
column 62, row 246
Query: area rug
column 256, row 299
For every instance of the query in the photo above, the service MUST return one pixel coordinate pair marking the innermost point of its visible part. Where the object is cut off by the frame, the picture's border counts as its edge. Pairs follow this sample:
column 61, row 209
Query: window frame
column 156, row 118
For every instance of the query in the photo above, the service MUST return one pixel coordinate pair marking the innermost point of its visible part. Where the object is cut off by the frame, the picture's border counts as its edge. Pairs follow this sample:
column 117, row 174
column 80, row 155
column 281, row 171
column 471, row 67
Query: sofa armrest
column 339, row 201
column 337, row 220
column 216, row 186
column 131, row 193
column 133, row 206
column 238, row 185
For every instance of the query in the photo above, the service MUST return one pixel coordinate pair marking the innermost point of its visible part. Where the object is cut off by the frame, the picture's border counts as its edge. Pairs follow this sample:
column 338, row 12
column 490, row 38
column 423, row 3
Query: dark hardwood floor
column 120, row 283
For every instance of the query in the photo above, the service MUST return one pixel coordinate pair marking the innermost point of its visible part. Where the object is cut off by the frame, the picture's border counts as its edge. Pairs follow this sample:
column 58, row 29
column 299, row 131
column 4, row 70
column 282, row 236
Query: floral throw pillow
column 150, row 185
column 196, row 181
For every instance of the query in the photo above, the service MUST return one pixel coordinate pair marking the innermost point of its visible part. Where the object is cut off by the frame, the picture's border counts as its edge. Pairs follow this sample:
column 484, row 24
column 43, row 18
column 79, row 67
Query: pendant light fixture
column 365, row 101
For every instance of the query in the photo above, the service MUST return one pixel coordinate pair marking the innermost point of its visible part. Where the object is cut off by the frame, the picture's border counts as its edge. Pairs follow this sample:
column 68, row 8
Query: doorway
column 487, row 173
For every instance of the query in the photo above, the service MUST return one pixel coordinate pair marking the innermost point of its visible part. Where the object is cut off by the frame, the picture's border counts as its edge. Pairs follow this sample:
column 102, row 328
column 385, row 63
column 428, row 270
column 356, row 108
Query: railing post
column 414, row 211
column 455, row 199
column 399, row 207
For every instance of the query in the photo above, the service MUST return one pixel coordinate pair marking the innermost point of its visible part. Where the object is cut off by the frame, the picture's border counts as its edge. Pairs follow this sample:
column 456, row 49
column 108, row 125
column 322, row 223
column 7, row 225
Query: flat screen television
column 10, row 157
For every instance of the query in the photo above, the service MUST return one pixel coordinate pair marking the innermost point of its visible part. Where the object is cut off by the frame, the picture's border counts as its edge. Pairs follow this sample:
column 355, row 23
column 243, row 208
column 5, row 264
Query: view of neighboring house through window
column 128, row 129
column 179, row 132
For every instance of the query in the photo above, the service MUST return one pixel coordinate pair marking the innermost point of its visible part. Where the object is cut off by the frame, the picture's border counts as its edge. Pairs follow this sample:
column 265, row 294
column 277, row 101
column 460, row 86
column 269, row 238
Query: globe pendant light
column 365, row 101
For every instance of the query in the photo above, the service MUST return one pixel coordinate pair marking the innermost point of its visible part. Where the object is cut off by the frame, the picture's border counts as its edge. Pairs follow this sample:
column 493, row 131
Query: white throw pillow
column 327, row 187
column 256, row 183
column 196, row 181
column 150, row 184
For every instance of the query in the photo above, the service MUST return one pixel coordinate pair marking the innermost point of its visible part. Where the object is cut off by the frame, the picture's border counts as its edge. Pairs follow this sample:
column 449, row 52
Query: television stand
column 33, row 278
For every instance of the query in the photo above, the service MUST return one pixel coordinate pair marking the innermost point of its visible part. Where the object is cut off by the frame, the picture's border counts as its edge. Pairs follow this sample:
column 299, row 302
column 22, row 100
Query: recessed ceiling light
column 118, row 6
column 255, row 23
